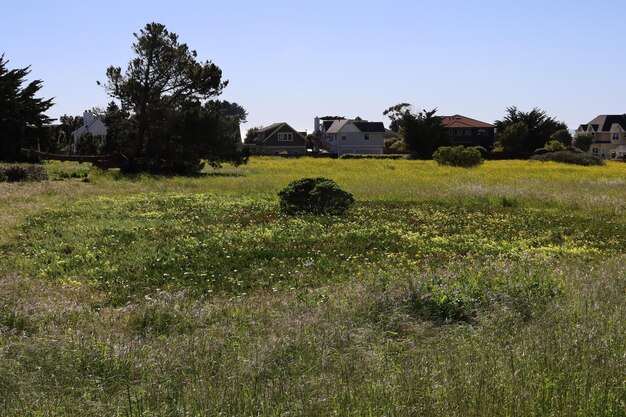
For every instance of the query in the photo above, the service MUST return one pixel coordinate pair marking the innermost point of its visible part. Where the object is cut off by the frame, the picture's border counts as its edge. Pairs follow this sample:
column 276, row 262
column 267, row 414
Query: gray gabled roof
column 604, row 122
column 270, row 128
column 327, row 124
column 370, row 127
column 365, row 127
column 274, row 127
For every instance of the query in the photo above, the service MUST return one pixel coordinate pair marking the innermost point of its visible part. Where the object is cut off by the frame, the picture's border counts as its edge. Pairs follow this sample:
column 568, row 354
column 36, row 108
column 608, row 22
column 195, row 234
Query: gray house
column 279, row 138
column 357, row 136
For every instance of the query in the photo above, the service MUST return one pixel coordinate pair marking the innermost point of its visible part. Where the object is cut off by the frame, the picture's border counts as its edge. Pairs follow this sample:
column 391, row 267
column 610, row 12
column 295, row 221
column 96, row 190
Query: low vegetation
column 314, row 196
column 491, row 291
column 569, row 157
column 458, row 156
column 22, row 172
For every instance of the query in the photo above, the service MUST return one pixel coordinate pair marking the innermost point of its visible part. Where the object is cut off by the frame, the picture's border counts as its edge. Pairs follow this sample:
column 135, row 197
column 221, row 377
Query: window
column 285, row 137
column 343, row 137
column 366, row 136
column 467, row 132
column 595, row 151
column 615, row 136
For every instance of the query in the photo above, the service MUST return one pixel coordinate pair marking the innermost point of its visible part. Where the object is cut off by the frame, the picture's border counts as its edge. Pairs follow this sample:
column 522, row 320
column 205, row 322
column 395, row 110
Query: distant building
column 279, row 138
column 465, row 131
column 346, row 136
column 609, row 135
column 91, row 124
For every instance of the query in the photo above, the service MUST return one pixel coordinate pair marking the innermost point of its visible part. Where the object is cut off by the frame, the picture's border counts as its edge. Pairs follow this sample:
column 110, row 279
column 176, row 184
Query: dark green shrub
column 458, row 156
column 483, row 151
column 22, row 172
column 568, row 157
column 316, row 196
column 555, row 146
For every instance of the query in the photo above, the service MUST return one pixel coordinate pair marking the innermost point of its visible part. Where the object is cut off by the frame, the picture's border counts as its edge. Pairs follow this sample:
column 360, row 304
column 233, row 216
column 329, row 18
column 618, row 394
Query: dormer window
column 615, row 136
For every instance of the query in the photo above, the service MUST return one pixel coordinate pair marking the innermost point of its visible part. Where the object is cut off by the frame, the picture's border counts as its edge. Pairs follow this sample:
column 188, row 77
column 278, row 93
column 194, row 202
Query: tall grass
column 492, row 291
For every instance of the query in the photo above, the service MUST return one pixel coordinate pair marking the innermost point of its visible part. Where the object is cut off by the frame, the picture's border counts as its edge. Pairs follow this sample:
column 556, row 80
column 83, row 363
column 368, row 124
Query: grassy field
column 495, row 291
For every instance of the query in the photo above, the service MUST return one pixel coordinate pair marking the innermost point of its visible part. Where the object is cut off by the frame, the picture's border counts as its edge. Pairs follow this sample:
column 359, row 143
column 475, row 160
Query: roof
column 370, row 127
column 365, row 127
column 270, row 127
column 604, row 122
column 327, row 124
column 457, row 121
column 337, row 126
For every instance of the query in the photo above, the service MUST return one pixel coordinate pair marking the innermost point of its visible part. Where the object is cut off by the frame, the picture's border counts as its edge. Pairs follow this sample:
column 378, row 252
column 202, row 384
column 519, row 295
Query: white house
column 91, row 124
column 344, row 136
column 609, row 135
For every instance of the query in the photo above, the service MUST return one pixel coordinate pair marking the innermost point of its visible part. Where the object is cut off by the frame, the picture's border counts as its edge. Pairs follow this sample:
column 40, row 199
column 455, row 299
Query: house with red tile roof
column 466, row 131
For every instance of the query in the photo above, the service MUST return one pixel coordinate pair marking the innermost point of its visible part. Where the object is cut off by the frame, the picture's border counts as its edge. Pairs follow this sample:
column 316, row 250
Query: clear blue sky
column 290, row 60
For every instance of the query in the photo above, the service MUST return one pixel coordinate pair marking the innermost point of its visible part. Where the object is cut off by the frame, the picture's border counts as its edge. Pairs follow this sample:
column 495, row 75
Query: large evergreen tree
column 22, row 117
column 539, row 127
column 422, row 132
column 167, row 117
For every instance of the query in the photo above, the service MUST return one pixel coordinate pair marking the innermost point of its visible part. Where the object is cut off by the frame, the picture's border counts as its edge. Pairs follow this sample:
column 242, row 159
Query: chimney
column 87, row 118
column 316, row 125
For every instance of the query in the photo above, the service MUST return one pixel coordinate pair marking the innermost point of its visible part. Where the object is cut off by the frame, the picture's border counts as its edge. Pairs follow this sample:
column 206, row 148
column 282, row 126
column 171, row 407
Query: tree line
column 165, row 116
column 519, row 132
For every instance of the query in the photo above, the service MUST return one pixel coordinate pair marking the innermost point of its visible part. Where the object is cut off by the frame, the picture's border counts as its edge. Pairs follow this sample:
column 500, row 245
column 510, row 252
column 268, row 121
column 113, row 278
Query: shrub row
column 371, row 156
column 458, row 156
column 569, row 157
column 22, row 172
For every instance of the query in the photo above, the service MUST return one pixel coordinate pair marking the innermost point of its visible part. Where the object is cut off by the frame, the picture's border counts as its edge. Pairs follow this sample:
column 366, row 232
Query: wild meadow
column 492, row 291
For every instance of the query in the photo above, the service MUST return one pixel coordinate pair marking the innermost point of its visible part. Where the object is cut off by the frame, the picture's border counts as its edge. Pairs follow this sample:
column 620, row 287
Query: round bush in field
column 316, row 196
column 458, row 156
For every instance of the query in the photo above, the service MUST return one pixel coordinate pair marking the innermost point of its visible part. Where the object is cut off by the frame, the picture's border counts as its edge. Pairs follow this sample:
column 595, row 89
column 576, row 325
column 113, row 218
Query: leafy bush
column 555, row 146
column 483, row 151
column 568, row 157
column 458, row 156
column 22, row 172
column 316, row 196
column 371, row 156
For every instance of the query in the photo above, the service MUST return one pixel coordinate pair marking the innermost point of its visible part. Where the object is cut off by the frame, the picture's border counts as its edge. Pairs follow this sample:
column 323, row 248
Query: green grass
column 491, row 291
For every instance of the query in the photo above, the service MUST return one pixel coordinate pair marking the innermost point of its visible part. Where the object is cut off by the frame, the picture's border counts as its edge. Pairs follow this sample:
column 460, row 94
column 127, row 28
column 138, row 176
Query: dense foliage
column 583, row 141
column 569, row 157
column 22, row 118
column 167, row 118
column 562, row 136
column 22, row 172
column 554, row 146
column 458, row 156
column 315, row 196
column 422, row 132
column 526, row 131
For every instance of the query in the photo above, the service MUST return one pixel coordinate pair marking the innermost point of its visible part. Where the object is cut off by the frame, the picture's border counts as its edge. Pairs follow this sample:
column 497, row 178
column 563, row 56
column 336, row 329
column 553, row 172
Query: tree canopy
column 583, row 141
column 166, row 117
column 22, row 118
column 539, row 127
column 423, row 132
